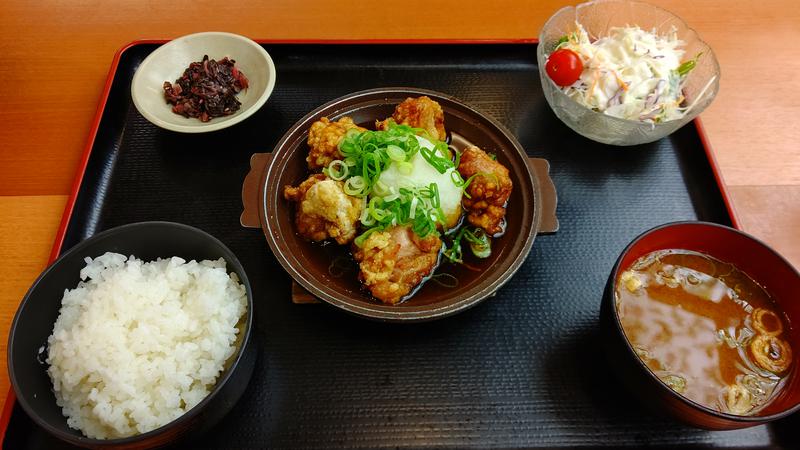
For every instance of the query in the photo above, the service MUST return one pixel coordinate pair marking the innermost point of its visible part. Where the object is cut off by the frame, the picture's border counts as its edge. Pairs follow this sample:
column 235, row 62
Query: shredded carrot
column 622, row 84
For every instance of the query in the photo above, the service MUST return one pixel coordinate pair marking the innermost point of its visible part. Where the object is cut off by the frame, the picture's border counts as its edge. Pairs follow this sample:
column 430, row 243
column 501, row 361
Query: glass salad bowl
column 597, row 18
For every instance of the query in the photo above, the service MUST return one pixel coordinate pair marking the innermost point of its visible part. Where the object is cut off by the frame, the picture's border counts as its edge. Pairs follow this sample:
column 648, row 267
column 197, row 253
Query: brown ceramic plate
column 531, row 209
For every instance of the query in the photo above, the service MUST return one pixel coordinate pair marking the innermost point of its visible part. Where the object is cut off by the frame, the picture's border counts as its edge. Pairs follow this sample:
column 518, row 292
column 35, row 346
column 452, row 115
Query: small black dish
column 34, row 321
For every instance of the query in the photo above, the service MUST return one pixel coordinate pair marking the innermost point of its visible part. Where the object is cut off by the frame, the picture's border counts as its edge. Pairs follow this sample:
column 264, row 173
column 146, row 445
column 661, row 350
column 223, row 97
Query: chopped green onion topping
column 405, row 167
column 395, row 153
column 418, row 207
column 464, row 184
column 336, row 170
column 438, row 156
column 355, row 186
column 479, row 242
column 367, row 154
column 380, row 189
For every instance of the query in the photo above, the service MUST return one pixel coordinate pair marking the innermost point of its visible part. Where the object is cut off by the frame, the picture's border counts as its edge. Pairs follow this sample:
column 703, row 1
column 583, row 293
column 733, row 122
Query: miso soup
column 706, row 329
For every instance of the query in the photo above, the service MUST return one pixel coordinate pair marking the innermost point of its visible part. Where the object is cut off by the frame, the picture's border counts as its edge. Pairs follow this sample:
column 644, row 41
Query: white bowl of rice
column 146, row 325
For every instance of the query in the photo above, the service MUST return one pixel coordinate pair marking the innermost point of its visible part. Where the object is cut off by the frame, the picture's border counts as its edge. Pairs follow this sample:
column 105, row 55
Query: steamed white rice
column 137, row 344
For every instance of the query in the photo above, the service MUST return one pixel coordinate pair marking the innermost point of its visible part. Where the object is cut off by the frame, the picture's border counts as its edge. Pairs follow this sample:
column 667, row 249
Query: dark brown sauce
column 706, row 329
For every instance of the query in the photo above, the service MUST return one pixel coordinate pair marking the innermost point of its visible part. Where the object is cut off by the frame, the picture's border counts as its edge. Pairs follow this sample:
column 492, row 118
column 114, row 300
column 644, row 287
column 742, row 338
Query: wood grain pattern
column 775, row 212
column 747, row 122
column 56, row 55
column 28, row 228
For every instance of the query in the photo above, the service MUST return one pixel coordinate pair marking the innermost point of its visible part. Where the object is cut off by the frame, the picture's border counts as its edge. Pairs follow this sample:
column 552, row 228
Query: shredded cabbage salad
column 631, row 73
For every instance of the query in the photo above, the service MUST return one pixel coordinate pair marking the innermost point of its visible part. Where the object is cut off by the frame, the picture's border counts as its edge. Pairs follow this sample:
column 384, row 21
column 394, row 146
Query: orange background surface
column 54, row 57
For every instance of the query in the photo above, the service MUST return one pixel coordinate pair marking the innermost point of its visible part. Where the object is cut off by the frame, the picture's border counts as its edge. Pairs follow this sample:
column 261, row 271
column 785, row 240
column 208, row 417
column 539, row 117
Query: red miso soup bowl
column 751, row 256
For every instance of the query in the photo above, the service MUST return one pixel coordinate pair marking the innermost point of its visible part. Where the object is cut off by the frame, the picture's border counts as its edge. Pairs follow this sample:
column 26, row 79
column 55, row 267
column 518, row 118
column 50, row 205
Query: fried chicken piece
column 421, row 112
column 395, row 261
column 488, row 191
column 324, row 210
column 323, row 140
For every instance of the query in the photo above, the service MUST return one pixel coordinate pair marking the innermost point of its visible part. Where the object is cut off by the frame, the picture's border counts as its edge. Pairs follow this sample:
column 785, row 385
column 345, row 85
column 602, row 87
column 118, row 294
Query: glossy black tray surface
column 523, row 369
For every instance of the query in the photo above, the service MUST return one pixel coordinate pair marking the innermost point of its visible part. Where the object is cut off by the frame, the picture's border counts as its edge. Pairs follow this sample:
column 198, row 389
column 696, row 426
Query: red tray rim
column 11, row 398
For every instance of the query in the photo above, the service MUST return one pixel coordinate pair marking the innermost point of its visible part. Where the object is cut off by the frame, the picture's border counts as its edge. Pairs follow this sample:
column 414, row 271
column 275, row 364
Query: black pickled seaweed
column 207, row 89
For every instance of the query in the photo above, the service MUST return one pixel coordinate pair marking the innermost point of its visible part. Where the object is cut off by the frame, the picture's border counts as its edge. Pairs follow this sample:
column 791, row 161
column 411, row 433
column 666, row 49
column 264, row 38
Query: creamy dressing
column 630, row 74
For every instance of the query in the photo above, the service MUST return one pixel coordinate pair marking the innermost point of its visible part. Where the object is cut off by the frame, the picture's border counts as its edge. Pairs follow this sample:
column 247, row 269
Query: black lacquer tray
column 523, row 369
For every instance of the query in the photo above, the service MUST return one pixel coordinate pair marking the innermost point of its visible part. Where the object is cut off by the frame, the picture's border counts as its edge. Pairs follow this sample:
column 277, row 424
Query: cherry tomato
column 564, row 67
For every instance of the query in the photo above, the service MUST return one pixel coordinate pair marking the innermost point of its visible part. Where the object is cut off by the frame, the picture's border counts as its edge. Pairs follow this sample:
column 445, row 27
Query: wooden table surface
column 54, row 57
